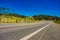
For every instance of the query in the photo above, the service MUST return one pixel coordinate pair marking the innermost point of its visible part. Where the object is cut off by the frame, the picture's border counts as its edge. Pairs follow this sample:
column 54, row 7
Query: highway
column 37, row 31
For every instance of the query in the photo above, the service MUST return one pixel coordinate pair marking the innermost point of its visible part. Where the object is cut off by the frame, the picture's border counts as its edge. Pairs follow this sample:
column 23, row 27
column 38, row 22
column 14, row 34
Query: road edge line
column 32, row 34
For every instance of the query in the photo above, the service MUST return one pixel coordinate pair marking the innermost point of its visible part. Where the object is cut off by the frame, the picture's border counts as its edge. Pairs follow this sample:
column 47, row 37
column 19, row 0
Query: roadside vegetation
column 14, row 18
column 7, row 16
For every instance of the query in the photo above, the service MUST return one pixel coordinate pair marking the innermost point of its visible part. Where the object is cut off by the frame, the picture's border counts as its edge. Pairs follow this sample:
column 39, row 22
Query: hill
column 6, row 16
column 47, row 17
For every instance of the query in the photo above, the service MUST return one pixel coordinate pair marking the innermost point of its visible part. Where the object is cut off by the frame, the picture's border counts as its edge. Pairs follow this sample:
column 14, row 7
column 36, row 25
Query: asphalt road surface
column 38, row 31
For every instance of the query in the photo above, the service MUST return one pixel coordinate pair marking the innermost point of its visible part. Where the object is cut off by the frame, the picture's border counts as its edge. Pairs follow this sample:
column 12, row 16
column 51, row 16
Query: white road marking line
column 32, row 34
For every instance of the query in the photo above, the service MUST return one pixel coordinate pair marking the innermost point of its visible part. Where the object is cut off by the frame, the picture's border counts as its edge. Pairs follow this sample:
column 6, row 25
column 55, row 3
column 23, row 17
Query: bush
column 57, row 21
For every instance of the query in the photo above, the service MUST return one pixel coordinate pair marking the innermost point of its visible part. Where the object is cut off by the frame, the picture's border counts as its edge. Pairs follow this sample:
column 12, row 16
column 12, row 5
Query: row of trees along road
column 8, row 16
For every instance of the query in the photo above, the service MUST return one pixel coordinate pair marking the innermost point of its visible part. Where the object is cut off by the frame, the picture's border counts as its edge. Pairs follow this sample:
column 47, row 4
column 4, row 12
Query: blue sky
column 33, row 7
